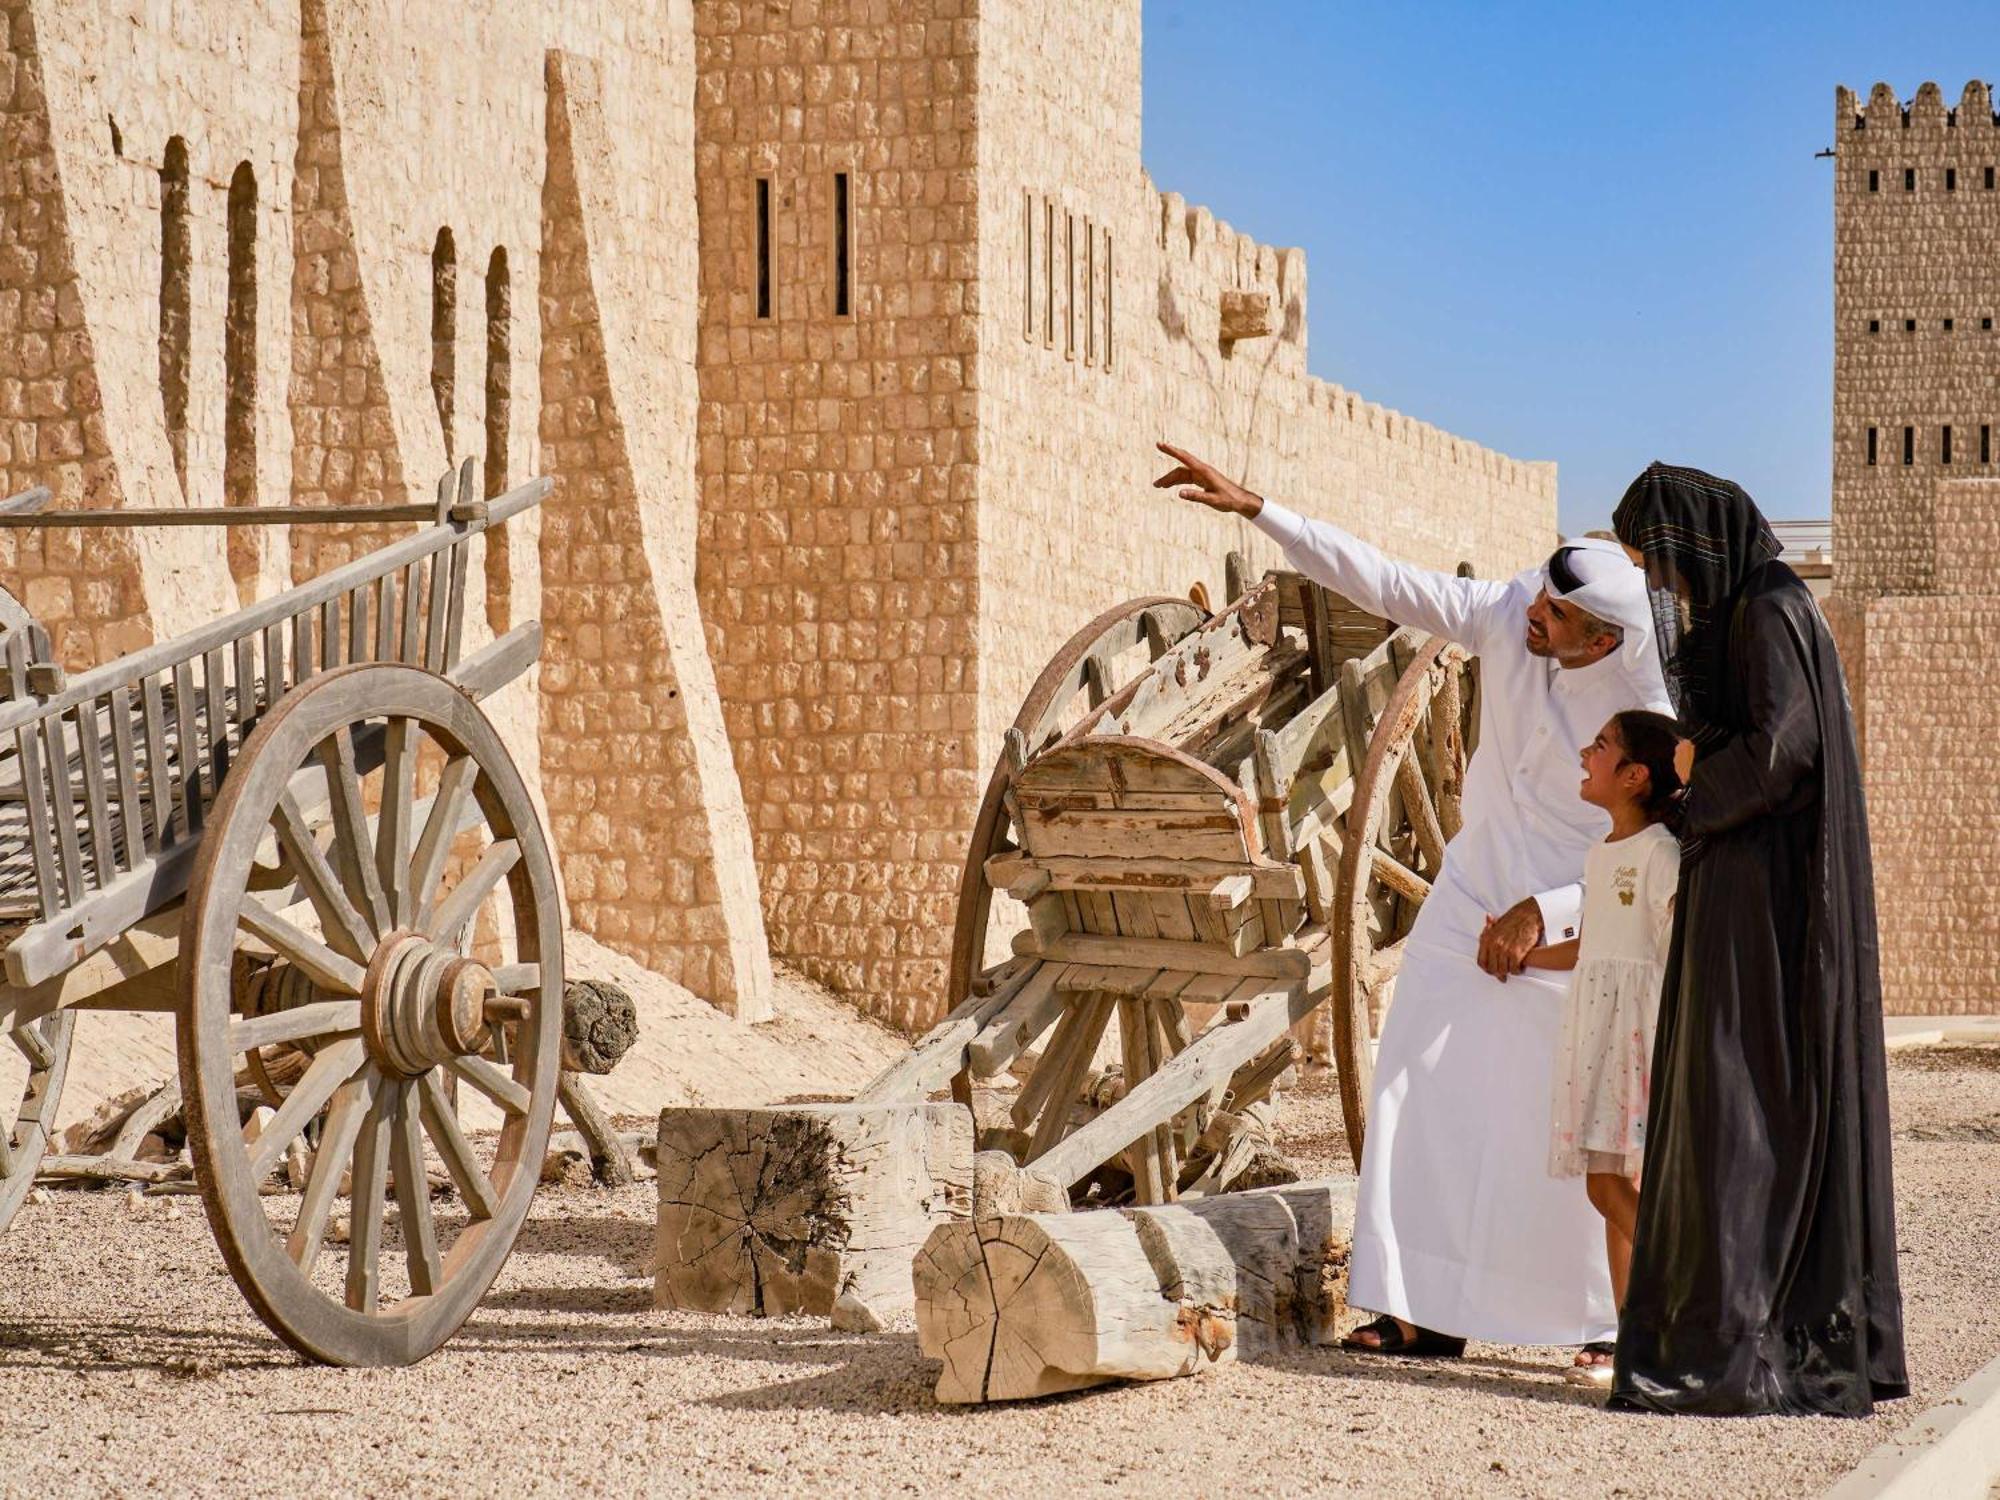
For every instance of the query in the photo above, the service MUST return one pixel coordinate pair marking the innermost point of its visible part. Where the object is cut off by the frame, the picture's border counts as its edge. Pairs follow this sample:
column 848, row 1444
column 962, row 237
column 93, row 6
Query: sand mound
column 687, row 1053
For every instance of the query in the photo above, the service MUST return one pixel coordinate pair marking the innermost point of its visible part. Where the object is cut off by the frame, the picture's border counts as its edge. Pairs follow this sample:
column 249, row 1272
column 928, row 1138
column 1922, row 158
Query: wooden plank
column 412, row 620
column 27, row 503
column 329, row 634
column 125, row 765
column 1172, row 919
column 440, row 612
column 1135, row 913
column 190, row 774
column 96, row 806
column 385, row 617
column 169, row 820
column 213, row 710
column 1014, row 1030
column 1108, row 979
column 357, row 624
column 28, row 755
column 1158, row 953
column 1094, row 1011
column 1109, row 873
column 62, row 809
column 1216, row 835
column 1035, row 1091
column 274, row 667
column 243, row 707
column 303, row 657
column 1137, row 1054
column 1208, row 1063
column 1099, row 915
column 941, row 1052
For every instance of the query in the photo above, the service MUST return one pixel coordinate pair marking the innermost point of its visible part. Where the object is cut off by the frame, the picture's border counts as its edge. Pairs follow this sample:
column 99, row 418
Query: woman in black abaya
column 1764, row 1264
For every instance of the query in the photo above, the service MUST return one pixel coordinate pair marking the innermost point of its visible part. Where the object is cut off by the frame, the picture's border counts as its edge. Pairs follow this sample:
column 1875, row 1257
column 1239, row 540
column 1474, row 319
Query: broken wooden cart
column 296, row 831
column 1217, row 825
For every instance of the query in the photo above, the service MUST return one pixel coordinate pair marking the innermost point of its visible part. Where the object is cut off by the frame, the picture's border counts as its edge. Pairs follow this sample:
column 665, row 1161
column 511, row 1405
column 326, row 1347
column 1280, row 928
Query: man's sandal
column 1597, row 1374
column 1424, row 1344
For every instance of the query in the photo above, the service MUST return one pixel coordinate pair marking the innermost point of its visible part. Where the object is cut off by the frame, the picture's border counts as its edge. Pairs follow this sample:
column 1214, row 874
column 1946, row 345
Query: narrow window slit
column 842, row 304
column 763, row 247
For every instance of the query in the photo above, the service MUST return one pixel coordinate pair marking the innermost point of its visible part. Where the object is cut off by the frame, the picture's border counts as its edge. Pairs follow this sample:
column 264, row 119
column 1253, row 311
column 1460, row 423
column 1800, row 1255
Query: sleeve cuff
column 1562, row 913
column 1280, row 524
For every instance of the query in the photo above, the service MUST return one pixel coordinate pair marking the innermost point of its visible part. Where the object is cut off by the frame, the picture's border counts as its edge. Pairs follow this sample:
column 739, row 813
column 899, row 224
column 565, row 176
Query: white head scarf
column 1610, row 587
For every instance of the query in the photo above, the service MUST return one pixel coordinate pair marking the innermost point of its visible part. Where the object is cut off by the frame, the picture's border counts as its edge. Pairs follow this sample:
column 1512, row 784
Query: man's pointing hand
column 1206, row 485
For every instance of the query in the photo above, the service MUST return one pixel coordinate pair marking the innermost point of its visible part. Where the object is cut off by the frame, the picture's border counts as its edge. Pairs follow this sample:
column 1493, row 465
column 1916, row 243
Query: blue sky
column 1588, row 232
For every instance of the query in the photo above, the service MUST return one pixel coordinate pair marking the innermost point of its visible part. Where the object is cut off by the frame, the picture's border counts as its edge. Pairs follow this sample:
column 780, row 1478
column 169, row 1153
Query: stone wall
column 293, row 254
column 1917, row 530
column 838, row 570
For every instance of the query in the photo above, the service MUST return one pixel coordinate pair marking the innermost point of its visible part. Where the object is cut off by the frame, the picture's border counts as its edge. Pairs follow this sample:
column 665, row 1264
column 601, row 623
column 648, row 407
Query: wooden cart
column 1216, row 824
column 297, row 832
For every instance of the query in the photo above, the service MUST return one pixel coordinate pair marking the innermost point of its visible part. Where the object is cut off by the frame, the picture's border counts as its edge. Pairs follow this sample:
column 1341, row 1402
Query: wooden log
column 784, row 1209
column 600, row 1024
column 1032, row 1304
column 609, row 1165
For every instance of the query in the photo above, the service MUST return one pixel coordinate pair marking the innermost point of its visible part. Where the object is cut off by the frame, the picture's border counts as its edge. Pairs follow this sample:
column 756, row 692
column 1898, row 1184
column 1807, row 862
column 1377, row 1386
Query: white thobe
column 1458, row 1225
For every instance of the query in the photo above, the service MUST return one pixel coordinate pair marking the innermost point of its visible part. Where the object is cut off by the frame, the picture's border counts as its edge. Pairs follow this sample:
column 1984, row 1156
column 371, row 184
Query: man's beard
column 1538, row 645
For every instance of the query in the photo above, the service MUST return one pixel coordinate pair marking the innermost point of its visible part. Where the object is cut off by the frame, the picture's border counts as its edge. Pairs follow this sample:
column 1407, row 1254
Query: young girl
column 1604, row 1057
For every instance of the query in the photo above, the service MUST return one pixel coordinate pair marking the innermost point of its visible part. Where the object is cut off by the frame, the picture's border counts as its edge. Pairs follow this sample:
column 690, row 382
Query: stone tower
column 1916, row 295
column 1916, row 519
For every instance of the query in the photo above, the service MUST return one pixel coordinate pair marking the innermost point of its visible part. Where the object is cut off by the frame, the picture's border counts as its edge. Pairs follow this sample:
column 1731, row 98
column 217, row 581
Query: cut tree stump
column 785, row 1209
column 1029, row 1305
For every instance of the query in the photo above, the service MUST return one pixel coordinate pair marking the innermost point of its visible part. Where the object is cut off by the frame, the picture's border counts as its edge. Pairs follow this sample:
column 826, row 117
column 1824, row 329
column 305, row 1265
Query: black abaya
column 1764, row 1264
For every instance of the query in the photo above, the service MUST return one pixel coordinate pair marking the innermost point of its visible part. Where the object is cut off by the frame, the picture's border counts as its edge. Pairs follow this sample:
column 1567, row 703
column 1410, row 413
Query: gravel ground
column 128, row 1362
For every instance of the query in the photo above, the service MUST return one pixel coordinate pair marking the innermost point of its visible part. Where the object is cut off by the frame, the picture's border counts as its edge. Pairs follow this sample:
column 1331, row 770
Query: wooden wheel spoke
column 345, row 928
column 354, row 850
column 34, row 1046
column 413, row 1195
column 440, row 1120
column 369, row 1181
column 1421, row 809
column 351, row 1103
column 440, row 828
column 392, row 828
column 457, row 909
column 327, row 969
column 323, row 1018
column 491, row 1082
column 329, row 1070
column 518, row 979
column 1398, row 876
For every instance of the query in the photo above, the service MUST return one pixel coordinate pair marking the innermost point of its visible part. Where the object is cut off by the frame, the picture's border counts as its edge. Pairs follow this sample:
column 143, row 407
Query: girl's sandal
column 1596, row 1374
column 1423, row 1345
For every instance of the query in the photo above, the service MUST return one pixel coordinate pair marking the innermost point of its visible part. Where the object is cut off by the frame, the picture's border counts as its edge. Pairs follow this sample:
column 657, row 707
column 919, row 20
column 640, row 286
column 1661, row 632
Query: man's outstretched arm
column 1458, row 609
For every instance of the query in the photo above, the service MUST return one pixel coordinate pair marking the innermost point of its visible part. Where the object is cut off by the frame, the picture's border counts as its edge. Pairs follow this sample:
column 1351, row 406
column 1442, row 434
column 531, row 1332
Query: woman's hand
column 1684, row 760
column 1206, row 485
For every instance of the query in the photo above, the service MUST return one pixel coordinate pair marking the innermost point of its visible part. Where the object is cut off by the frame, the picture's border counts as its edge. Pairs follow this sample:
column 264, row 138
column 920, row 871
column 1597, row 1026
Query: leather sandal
column 1424, row 1344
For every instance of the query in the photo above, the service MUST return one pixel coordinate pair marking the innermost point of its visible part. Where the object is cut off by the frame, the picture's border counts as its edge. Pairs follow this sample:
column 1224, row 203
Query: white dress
column 1604, row 1056
column 1458, row 1226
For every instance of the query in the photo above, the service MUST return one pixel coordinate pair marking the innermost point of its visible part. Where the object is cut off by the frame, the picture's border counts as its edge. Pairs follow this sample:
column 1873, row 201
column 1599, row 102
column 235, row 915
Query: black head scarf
column 1701, row 538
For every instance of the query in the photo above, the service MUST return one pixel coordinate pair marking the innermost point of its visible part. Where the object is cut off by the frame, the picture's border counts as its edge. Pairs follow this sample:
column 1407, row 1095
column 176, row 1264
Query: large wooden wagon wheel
column 1079, row 677
column 414, row 1048
column 1406, row 807
column 24, row 1133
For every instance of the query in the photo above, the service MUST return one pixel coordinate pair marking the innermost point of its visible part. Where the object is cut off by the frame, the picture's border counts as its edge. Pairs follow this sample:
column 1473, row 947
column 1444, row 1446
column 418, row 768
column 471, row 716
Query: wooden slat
column 214, row 712
column 304, row 658
column 62, row 809
column 1158, row 953
column 274, row 667
column 385, row 617
column 28, row 753
column 189, row 772
column 329, row 634
column 1111, row 873
column 96, row 806
column 357, row 624
column 169, row 820
column 412, row 620
column 125, row 763
column 243, row 707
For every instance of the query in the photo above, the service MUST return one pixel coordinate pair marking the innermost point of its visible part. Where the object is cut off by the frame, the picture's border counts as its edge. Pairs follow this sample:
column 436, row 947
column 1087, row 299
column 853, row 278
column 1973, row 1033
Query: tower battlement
column 1885, row 111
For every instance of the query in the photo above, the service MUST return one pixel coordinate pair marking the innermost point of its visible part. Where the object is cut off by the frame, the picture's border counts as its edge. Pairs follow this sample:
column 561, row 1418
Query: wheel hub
column 423, row 1004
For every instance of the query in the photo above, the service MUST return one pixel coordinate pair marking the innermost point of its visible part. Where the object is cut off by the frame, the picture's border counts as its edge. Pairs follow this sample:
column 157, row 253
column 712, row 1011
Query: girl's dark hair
column 1649, row 740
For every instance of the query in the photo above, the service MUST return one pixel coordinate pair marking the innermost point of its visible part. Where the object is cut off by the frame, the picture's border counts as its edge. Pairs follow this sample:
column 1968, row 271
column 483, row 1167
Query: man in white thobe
column 1460, row 1231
